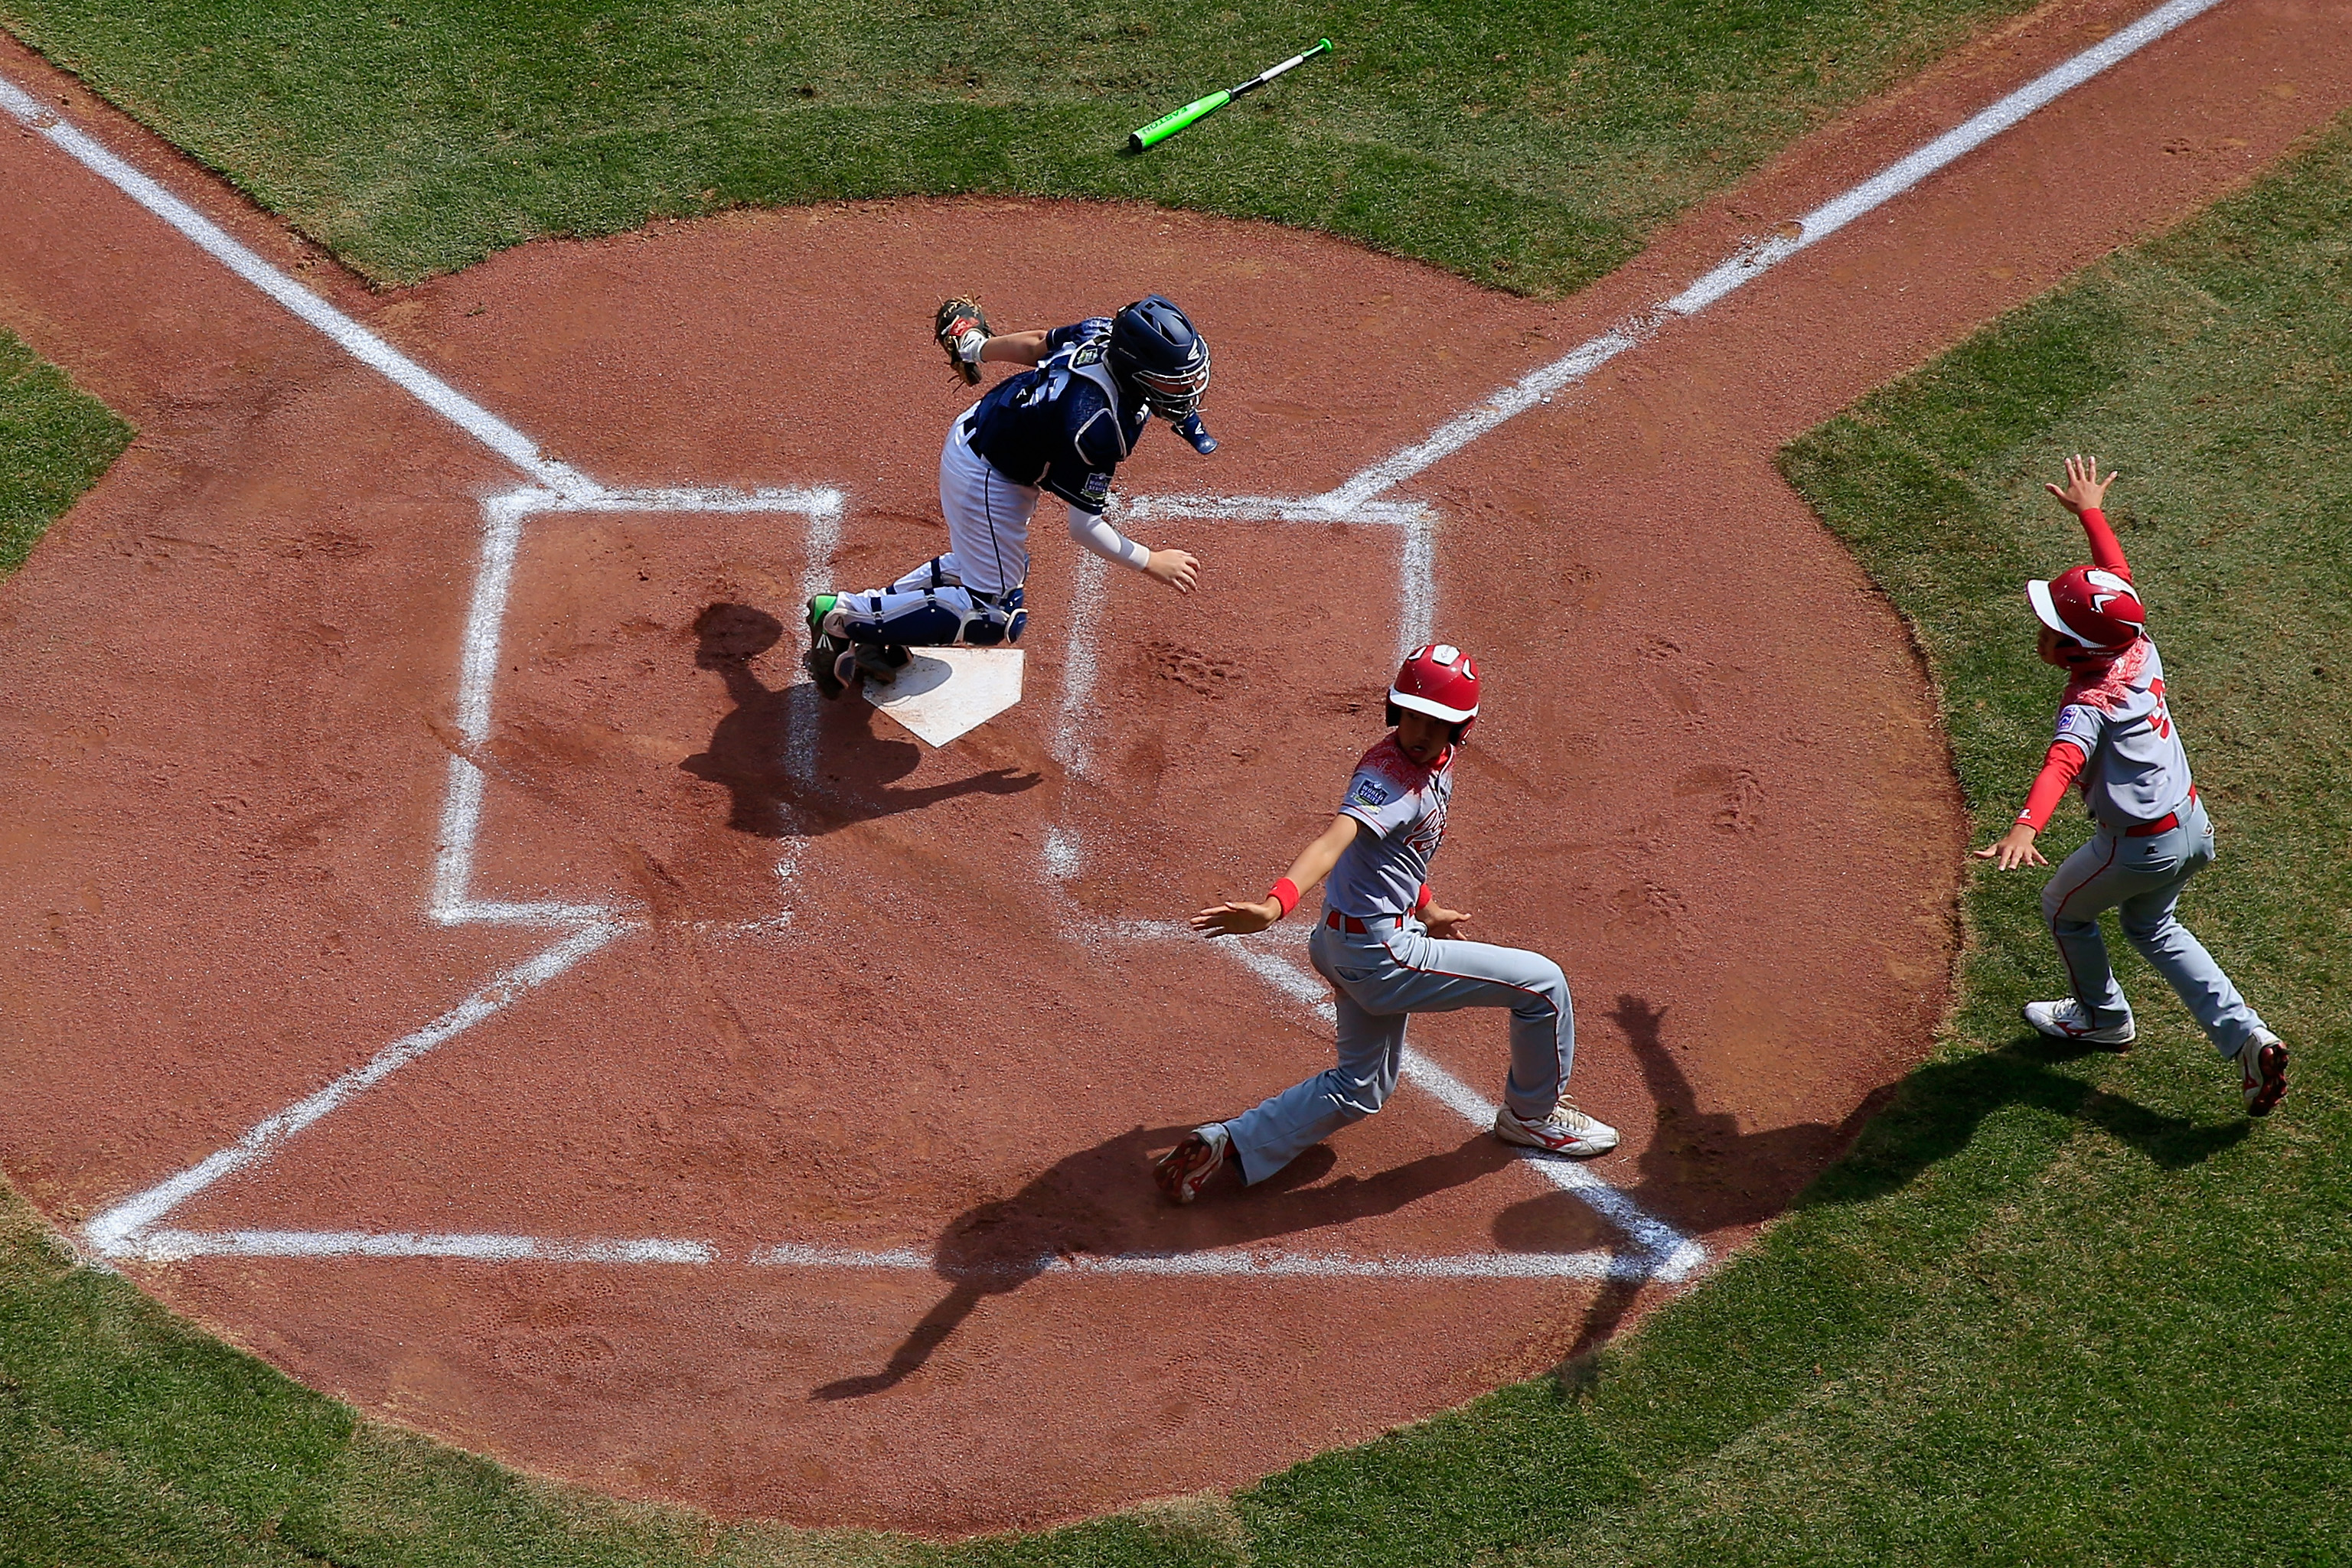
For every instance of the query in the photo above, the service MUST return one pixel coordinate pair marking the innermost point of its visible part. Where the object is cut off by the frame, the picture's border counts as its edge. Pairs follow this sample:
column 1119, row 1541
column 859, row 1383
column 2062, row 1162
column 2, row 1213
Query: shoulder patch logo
column 1098, row 485
column 1370, row 793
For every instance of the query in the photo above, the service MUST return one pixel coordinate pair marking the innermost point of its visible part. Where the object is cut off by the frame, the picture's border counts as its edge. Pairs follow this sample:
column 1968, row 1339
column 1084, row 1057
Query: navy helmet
column 1155, row 351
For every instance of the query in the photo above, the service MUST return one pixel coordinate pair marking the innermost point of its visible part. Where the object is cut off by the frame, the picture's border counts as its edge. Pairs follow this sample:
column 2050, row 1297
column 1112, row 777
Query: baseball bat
column 1200, row 108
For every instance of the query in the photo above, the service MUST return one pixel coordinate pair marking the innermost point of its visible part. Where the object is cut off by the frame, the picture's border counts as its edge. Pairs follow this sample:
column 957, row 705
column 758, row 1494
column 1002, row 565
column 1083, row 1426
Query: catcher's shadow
column 1100, row 1202
column 749, row 746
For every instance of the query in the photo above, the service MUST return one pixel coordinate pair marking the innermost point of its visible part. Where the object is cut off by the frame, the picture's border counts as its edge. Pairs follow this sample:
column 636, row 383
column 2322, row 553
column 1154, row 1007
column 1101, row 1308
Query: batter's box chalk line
column 134, row 1228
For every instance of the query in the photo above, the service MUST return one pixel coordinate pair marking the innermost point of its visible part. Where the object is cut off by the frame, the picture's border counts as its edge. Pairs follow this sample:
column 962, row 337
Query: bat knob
column 1190, row 428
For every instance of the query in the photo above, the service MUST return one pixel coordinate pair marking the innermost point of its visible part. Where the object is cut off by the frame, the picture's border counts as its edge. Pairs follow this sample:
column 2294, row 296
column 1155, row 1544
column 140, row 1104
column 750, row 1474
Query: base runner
column 1063, row 427
column 2117, row 740
column 1389, row 951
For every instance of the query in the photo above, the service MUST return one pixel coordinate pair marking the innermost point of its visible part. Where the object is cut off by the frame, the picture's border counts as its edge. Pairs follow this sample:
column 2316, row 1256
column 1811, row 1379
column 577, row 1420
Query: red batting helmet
column 1441, row 681
column 2098, row 609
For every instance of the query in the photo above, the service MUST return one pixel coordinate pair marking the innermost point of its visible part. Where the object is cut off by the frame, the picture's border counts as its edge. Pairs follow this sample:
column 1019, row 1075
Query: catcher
column 1063, row 426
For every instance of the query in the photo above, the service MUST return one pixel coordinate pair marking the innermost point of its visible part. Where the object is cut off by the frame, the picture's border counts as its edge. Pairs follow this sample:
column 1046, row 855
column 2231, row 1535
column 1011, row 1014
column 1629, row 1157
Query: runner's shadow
column 1100, row 1203
column 1937, row 1110
column 749, row 750
column 1703, row 1173
column 1699, row 1171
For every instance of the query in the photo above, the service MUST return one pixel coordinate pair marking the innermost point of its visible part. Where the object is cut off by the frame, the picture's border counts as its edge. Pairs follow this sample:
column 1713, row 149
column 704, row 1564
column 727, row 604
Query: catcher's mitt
column 961, row 328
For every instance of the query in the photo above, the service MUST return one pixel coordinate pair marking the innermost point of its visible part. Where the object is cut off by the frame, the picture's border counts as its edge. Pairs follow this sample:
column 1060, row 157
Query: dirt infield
column 868, row 1071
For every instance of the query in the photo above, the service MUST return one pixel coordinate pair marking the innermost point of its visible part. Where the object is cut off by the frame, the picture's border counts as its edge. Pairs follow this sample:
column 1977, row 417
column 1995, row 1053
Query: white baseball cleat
column 1567, row 1130
column 2262, row 1073
column 2067, row 1020
column 1185, row 1169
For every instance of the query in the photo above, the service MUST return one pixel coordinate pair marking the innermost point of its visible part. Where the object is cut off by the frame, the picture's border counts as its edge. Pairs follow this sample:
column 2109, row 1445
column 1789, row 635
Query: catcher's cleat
column 881, row 661
column 1185, row 1169
column 820, row 662
column 823, row 661
column 819, row 607
column 2262, row 1073
column 2067, row 1021
column 1567, row 1130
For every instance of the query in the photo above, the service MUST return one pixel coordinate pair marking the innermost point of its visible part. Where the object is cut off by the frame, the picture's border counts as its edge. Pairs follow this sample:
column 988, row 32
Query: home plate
column 947, row 691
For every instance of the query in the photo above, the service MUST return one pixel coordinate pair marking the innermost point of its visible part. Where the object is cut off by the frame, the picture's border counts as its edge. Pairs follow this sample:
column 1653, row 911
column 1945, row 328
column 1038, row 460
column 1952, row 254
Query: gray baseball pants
column 2143, row 879
column 1381, row 978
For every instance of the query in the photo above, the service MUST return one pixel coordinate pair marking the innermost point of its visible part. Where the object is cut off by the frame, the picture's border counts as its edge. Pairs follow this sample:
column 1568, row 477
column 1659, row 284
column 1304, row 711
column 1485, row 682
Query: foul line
column 1753, row 261
column 348, row 334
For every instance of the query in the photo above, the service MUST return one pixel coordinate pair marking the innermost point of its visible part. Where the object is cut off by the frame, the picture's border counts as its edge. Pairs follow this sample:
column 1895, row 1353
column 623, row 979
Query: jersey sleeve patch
column 2081, row 725
column 1380, row 802
column 1088, row 492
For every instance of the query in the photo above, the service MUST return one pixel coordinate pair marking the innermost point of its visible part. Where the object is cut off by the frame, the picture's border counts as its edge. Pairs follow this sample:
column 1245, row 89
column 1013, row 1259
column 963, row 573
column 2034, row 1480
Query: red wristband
column 1422, row 902
column 1285, row 893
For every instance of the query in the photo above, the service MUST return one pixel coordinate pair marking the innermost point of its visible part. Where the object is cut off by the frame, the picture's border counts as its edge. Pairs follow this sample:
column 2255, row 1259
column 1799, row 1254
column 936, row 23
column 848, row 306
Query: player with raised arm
column 1063, row 427
column 1390, row 951
column 2117, row 740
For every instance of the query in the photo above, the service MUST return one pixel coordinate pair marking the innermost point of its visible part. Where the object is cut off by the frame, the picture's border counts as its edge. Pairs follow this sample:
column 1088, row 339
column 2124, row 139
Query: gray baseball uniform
column 2153, row 836
column 1383, row 965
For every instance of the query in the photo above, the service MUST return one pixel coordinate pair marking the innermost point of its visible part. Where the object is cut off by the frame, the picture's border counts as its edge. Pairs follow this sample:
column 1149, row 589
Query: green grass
column 2052, row 1310
column 1528, row 143
column 54, row 442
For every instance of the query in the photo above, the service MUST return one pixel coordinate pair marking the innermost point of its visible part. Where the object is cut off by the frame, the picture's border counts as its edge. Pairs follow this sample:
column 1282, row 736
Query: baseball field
column 493, row 1070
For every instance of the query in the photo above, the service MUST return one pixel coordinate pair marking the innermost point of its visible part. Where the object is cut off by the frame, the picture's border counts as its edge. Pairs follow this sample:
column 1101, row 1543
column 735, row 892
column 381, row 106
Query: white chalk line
column 1754, row 260
column 120, row 1227
column 176, row 1245
column 1347, row 501
column 348, row 334
column 126, row 1230
column 450, row 901
column 179, row 1246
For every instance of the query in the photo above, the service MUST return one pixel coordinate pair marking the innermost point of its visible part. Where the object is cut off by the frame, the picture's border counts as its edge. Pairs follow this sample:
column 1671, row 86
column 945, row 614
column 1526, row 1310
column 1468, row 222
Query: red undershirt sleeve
column 2059, row 767
column 2106, row 550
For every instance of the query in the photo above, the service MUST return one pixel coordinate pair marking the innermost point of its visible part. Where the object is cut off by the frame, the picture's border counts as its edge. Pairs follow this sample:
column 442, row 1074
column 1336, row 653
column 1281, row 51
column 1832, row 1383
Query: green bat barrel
column 1169, row 124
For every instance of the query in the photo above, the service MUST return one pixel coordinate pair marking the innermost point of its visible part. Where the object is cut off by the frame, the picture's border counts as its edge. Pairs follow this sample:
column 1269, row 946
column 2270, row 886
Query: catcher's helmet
column 1441, row 681
column 2092, row 607
column 1155, row 351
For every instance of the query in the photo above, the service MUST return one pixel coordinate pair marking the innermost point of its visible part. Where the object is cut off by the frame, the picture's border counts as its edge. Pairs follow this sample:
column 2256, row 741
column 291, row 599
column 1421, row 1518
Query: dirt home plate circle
column 467, row 966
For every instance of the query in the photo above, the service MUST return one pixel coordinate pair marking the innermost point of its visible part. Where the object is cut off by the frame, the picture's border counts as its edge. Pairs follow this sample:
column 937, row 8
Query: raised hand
column 2085, row 491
